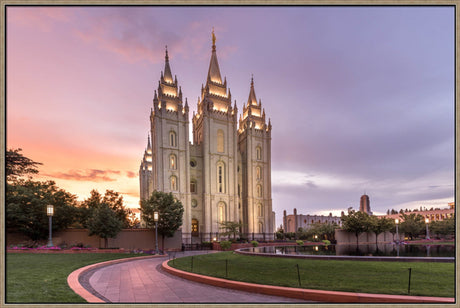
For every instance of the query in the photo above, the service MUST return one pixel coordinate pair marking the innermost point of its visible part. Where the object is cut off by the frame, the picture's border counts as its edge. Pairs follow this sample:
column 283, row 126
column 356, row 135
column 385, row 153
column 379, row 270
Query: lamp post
column 50, row 212
column 427, row 231
column 397, row 234
column 155, row 218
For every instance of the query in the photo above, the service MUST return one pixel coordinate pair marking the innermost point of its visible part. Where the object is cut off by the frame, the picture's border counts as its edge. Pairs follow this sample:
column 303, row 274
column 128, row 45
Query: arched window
column 259, row 191
column 172, row 139
column 172, row 162
column 258, row 173
column 258, row 153
column 220, row 141
column 220, row 177
column 261, row 227
column 260, row 210
column 173, row 180
column 222, row 215
column 195, row 230
column 193, row 186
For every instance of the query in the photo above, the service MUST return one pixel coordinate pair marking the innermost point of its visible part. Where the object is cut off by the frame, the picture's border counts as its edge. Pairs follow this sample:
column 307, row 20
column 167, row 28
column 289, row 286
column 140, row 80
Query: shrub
column 326, row 242
column 299, row 242
column 255, row 243
column 225, row 245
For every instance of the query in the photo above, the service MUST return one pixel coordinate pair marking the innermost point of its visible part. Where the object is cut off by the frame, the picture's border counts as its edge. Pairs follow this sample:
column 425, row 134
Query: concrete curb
column 306, row 294
column 74, row 283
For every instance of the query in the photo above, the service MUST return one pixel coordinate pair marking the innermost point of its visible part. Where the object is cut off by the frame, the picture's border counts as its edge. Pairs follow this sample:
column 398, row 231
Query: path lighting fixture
column 427, row 221
column 50, row 212
column 156, row 217
column 397, row 234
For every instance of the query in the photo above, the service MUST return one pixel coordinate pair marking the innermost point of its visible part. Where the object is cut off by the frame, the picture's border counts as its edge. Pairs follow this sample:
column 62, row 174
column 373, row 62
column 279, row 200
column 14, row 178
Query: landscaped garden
column 42, row 278
column 427, row 278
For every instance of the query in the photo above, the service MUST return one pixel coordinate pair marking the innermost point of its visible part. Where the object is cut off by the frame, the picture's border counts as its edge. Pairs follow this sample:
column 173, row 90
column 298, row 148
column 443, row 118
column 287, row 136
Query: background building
column 225, row 174
column 291, row 223
column 365, row 205
column 432, row 214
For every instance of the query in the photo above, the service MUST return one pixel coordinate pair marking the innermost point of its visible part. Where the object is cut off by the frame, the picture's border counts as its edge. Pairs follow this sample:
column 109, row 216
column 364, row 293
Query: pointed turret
column 214, row 71
column 252, row 100
column 169, row 93
column 252, row 111
column 167, row 75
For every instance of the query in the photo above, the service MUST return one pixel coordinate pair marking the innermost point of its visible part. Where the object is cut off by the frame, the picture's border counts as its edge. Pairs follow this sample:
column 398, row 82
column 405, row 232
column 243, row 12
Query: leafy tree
column 231, row 228
column 380, row 225
column 443, row 227
column 412, row 224
column 111, row 199
column 104, row 223
column 17, row 165
column 323, row 231
column 26, row 202
column 356, row 222
column 170, row 213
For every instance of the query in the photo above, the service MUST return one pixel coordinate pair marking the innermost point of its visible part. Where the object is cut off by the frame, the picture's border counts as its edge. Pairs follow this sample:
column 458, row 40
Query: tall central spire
column 214, row 71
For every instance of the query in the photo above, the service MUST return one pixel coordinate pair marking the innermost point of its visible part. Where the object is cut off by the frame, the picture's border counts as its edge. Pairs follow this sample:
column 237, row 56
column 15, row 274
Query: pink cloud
column 92, row 175
column 43, row 18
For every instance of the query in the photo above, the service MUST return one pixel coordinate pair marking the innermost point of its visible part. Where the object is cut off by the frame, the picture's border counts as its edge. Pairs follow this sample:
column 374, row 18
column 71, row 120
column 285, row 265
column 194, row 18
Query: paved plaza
column 143, row 281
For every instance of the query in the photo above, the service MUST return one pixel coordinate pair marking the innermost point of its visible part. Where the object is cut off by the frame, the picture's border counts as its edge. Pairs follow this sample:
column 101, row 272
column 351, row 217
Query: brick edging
column 74, row 283
column 306, row 294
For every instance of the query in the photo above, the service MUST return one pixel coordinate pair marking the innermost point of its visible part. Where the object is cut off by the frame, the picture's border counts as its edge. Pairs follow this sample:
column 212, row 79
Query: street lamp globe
column 50, row 210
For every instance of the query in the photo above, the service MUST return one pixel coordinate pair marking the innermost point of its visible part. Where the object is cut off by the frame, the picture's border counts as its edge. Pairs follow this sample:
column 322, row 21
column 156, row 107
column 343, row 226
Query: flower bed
column 56, row 249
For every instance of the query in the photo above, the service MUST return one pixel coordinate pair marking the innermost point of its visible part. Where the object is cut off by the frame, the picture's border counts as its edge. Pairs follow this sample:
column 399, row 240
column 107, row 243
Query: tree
column 380, row 225
column 230, row 228
column 443, row 227
column 355, row 222
column 111, row 199
column 17, row 165
column 26, row 202
column 170, row 213
column 412, row 225
column 104, row 223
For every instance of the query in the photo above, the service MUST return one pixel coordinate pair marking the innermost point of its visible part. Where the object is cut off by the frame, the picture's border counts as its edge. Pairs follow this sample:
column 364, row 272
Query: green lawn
column 42, row 278
column 427, row 279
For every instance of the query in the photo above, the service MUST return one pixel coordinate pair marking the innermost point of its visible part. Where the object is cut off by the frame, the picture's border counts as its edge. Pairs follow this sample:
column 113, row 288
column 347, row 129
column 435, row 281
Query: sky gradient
column 361, row 99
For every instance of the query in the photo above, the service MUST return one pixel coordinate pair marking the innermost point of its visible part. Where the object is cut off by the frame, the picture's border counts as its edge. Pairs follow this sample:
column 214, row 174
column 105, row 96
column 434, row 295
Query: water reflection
column 364, row 250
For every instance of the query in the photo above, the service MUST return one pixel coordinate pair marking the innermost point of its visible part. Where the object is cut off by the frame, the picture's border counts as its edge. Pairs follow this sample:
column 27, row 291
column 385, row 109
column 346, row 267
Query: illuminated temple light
column 150, row 168
column 218, row 94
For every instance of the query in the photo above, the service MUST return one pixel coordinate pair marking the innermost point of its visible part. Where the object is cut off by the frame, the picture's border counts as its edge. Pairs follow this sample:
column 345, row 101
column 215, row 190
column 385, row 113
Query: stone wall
column 344, row 237
column 129, row 239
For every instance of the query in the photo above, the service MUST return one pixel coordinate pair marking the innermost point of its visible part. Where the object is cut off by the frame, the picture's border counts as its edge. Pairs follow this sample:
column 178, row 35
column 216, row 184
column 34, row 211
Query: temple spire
column 214, row 71
column 167, row 75
column 252, row 100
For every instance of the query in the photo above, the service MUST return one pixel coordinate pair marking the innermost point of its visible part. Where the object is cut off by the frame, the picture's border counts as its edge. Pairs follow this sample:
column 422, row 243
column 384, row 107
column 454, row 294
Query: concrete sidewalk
column 143, row 281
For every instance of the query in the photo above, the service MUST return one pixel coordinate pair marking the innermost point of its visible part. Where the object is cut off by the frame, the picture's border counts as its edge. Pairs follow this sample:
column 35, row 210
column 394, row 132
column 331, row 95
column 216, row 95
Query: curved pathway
column 143, row 281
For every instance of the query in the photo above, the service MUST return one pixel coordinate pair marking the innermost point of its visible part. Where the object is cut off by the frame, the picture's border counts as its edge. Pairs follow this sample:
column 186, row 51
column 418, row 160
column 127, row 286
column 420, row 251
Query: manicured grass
column 432, row 243
column 42, row 278
column 427, row 279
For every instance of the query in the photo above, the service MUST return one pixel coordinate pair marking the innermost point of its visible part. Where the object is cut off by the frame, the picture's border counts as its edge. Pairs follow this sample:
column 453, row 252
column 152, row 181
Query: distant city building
column 364, row 204
column 435, row 214
column 291, row 223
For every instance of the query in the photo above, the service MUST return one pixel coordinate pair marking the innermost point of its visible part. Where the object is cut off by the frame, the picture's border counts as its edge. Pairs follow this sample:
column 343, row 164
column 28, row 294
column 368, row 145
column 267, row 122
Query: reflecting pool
column 381, row 250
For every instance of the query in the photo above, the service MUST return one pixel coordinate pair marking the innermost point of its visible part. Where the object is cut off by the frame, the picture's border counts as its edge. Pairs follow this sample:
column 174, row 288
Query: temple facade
column 225, row 173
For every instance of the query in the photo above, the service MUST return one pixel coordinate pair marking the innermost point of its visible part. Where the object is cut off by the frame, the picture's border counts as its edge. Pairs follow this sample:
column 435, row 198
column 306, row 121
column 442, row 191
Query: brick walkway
column 143, row 281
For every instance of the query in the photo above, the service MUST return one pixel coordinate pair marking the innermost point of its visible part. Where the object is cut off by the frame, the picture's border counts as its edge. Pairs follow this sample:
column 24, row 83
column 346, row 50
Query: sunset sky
column 361, row 99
